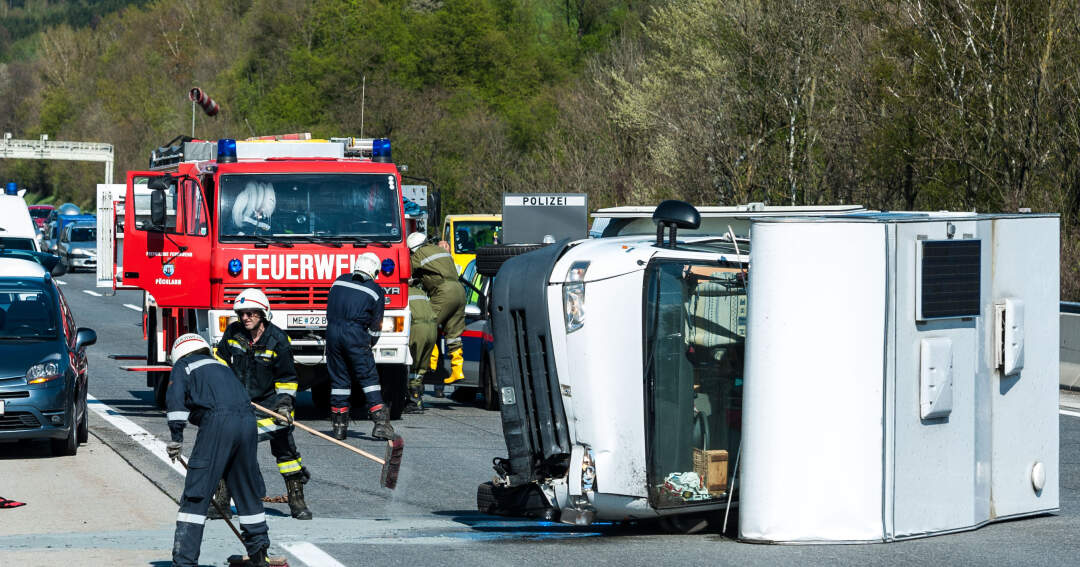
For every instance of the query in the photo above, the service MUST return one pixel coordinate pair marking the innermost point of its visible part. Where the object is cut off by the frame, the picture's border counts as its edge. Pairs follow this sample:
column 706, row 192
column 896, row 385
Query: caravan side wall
column 811, row 467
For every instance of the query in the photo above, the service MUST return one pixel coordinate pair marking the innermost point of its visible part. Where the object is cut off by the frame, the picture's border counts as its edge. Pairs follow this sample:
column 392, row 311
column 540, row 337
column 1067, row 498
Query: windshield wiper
column 360, row 241
column 268, row 241
column 318, row 240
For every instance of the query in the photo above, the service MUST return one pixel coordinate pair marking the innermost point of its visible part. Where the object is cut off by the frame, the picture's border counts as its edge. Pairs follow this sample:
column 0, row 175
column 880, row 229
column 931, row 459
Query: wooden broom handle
column 320, row 434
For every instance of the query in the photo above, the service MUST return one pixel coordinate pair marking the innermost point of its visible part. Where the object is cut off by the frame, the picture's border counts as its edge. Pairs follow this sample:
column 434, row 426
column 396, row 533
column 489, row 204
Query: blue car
column 42, row 356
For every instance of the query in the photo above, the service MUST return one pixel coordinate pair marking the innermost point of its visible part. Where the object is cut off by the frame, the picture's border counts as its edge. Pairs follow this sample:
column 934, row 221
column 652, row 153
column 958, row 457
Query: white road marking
column 135, row 307
column 137, row 434
column 93, row 293
column 311, row 555
column 1070, row 413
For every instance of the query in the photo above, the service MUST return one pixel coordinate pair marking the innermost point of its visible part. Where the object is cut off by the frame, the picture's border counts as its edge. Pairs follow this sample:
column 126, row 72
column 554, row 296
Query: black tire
column 320, row 396
column 488, row 385
column 161, row 385
column 490, row 258
column 393, row 380
column 83, row 431
column 68, row 446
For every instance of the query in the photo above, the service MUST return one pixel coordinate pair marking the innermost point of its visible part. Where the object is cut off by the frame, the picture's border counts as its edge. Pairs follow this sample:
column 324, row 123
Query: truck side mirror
column 157, row 204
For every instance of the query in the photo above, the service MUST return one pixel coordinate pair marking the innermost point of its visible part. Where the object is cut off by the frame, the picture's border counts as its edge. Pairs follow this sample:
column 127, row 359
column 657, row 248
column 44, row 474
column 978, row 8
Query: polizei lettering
column 296, row 266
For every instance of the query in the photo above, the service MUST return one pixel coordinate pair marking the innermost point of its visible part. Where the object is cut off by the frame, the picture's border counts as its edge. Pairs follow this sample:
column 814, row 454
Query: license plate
column 307, row 321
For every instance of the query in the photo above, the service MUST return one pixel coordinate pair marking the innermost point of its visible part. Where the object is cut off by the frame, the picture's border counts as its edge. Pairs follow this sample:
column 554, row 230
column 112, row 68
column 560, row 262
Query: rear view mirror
column 84, row 337
column 157, row 206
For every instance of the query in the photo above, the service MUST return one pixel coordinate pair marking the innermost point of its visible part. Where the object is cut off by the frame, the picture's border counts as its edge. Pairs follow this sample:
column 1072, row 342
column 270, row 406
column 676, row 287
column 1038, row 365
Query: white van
column 16, row 226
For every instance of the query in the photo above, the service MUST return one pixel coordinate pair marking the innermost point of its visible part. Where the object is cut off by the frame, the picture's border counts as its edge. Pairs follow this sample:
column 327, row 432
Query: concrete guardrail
column 1070, row 345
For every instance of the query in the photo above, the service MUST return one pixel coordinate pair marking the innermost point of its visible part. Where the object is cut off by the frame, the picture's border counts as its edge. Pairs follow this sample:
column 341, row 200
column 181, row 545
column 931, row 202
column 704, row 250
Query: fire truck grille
column 295, row 296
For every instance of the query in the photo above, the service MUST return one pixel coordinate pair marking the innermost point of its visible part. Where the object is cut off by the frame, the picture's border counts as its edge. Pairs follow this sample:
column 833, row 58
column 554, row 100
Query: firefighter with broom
column 206, row 393
column 259, row 353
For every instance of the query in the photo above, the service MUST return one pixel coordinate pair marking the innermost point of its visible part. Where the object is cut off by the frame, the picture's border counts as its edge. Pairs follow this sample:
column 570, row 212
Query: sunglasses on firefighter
column 244, row 314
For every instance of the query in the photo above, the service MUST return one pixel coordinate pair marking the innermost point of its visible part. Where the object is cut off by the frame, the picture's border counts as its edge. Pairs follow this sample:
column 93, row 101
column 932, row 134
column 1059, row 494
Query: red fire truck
column 284, row 214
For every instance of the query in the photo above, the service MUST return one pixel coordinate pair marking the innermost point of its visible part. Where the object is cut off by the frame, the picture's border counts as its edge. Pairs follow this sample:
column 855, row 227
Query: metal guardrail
column 1070, row 346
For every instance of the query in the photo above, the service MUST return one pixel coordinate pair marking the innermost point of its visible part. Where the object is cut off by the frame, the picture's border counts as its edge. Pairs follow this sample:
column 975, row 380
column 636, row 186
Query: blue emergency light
column 226, row 150
column 12, row 189
column 380, row 150
column 388, row 266
column 235, row 267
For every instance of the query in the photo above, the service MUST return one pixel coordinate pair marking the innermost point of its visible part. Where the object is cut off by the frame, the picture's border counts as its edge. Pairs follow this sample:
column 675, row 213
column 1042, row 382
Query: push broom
column 391, row 463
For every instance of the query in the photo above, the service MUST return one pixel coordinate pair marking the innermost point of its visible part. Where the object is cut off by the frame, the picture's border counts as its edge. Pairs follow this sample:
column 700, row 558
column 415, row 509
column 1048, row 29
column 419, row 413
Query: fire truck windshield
column 304, row 205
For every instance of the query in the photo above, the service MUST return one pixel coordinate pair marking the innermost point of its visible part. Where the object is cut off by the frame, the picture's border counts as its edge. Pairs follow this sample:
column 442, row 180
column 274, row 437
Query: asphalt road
column 431, row 520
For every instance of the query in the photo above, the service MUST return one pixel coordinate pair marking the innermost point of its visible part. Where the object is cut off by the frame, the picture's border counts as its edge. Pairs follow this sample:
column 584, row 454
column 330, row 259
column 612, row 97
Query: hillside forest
column 970, row 105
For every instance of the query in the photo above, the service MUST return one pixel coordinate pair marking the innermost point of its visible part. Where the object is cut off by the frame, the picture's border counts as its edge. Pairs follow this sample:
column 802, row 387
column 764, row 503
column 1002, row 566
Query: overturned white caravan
column 855, row 378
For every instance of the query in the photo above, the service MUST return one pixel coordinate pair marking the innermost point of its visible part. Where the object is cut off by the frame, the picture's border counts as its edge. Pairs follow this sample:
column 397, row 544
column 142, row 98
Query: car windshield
column 470, row 235
column 306, row 205
column 83, row 234
column 27, row 312
column 15, row 243
column 40, row 213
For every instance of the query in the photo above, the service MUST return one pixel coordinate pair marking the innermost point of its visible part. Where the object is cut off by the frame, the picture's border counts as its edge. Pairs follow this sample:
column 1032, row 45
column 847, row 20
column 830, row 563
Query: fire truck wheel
column 395, row 391
column 320, row 396
column 161, row 384
column 490, row 258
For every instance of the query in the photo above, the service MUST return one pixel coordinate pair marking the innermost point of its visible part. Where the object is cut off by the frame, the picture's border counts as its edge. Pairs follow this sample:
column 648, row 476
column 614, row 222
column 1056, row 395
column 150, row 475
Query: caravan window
column 695, row 331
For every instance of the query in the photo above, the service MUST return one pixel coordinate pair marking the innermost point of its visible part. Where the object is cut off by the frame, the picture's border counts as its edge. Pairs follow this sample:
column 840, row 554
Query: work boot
column 340, row 422
column 434, row 361
column 221, row 499
column 457, row 361
column 416, row 393
column 297, row 507
column 382, row 429
column 258, row 559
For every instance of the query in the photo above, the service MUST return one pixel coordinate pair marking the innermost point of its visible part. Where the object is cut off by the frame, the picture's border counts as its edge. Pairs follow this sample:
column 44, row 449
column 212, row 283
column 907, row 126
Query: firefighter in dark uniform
column 423, row 334
column 259, row 354
column 354, row 314
column 439, row 277
column 205, row 392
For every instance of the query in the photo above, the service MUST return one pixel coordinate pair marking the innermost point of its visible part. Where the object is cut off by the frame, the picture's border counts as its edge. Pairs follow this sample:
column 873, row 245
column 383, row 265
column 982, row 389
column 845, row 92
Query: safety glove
column 172, row 448
column 285, row 408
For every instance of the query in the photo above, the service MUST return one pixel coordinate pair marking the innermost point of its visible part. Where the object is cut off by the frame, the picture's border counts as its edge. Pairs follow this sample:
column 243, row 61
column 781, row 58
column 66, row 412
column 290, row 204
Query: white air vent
column 1009, row 336
column 935, row 378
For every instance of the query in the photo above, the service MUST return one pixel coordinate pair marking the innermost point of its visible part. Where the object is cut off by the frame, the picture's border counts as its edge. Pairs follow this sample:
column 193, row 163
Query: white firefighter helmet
column 187, row 344
column 367, row 264
column 416, row 240
column 252, row 299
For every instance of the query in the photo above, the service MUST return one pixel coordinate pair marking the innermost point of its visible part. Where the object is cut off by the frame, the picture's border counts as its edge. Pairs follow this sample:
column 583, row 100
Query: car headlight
column 43, row 372
column 574, row 296
column 395, row 324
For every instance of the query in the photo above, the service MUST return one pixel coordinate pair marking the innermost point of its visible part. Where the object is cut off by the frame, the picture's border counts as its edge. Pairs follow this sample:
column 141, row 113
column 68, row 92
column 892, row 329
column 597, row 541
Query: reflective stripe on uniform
column 374, row 388
column 341, row 392
column 267, row 353
column 177, row 415
column 286, row 387
column 268, row 425
column 418, row 298
column 236, row 344
column 215, row 353
column 288, row 467
column 366, row 290
column 190, row 518
column 434, row 257
column 253, row 519
column 199, row 364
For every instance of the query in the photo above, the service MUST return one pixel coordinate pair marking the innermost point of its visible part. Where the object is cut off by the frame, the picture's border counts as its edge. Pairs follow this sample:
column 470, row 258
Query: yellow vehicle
column 466, row 233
